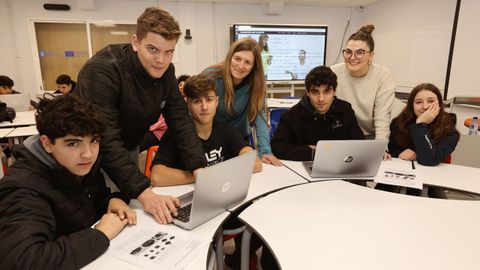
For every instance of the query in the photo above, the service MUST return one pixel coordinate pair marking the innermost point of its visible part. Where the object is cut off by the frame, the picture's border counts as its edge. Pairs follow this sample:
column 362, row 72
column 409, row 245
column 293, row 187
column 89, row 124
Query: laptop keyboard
column 184, row 213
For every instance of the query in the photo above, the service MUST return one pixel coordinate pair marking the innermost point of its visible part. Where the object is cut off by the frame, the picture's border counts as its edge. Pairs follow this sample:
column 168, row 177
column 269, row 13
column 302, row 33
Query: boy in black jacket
column 55, row 192
column 318, row 116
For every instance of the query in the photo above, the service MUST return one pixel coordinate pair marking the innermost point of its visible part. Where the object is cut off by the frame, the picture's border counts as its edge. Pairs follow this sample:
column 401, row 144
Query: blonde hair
column 257, row 78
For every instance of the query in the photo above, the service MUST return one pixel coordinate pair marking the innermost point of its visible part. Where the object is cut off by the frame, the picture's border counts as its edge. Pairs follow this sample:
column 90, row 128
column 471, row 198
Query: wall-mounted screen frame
column 288, row 51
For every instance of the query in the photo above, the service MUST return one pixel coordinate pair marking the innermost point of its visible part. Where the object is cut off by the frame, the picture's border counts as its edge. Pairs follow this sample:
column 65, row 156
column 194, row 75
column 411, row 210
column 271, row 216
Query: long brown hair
column 258, row 87
column 441, row 125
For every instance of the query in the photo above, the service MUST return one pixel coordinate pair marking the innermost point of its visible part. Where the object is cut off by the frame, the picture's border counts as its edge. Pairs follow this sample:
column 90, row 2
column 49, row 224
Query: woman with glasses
column 367, row 86
column 241, row 87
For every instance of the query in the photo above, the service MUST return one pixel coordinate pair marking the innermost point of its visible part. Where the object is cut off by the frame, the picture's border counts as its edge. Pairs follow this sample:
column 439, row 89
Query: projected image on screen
column 288, row 52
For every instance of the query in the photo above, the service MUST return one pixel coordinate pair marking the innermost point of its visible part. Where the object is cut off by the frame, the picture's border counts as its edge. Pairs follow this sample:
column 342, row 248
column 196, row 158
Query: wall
column 208, row 23
column 466, row 57
column 7, row 50
column 412, row 39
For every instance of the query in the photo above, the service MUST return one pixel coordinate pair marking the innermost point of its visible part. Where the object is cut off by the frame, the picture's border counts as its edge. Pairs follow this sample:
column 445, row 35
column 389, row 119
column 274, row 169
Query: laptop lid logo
column 348, row 159
column 226, row 187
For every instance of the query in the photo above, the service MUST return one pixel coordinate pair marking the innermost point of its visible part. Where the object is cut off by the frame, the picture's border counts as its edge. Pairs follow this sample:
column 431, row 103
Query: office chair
column 275, row 119
column 148, row 161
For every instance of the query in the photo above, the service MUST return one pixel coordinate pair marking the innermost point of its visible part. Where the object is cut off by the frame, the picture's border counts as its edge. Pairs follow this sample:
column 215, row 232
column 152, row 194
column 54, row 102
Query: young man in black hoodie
column 318, row 116
column 55, row 192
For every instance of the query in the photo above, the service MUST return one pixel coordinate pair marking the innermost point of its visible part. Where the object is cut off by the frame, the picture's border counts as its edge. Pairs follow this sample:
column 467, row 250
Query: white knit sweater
column 371, row 97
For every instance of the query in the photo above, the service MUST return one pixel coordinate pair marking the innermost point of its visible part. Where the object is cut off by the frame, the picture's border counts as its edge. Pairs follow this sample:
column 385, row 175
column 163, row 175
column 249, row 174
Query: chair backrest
column 275, row 119
column 148, row 161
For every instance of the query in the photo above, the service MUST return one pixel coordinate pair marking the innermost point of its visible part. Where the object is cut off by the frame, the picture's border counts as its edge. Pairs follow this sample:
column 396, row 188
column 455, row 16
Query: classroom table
column 339, row 225
column 17, row 135
column 5, row 131
column 25, row 118
column 282, row 102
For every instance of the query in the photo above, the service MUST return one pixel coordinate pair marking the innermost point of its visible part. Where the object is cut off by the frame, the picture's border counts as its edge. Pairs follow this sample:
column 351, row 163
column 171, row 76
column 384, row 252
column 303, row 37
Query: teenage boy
column 318, row 116
column 220, row 141
column 54, row 193
column 133, row 84
column 6, row 86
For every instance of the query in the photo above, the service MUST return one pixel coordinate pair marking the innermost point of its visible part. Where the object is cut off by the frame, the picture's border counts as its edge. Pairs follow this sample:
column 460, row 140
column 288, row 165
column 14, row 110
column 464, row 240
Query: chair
column 275, row 119
column 148, row 161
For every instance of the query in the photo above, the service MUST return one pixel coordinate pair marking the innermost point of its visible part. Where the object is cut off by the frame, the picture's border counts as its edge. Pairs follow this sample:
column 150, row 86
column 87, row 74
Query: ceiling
column 338, row 3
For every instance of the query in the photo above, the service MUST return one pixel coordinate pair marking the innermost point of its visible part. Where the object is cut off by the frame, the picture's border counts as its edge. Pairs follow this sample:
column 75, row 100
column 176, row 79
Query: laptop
column 19, row 102
column 346, row 159
column 217, row 188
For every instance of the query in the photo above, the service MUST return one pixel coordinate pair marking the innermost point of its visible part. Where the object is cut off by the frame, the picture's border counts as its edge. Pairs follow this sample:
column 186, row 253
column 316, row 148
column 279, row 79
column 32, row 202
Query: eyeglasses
column 359, row 54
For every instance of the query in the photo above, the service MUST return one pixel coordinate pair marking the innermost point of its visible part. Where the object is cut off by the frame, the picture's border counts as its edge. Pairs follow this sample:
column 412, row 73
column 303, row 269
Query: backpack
column 6, row 113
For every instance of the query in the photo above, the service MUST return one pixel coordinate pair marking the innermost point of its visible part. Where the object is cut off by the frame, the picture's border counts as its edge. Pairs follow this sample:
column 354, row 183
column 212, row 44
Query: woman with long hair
column 241, row 87
column 424, row 131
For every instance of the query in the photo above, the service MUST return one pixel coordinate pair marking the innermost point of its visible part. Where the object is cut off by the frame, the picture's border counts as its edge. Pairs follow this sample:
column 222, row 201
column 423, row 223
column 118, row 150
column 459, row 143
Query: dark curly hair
column 320, row 75
column 68, row 115
column 5, row 81
column 441, row 125
column 198, row 86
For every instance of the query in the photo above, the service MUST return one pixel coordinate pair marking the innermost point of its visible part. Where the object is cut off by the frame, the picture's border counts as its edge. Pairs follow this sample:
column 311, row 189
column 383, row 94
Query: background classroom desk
column 346, row 226
column 25, row 118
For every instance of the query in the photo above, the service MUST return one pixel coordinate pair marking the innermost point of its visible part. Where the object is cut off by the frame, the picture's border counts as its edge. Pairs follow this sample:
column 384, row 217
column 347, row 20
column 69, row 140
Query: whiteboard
column 465, row 74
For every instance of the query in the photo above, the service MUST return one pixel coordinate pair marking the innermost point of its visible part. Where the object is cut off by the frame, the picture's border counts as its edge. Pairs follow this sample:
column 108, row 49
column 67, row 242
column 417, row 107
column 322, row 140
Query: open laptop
column 216, row 188
column 20, row 102
column 346, row 159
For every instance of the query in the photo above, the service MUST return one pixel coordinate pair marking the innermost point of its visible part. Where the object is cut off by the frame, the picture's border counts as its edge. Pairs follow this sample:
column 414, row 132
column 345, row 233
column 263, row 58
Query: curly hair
column 68, row 115
column 320, row 75
column 157, row 21
column 441, row 125
column 5, row 81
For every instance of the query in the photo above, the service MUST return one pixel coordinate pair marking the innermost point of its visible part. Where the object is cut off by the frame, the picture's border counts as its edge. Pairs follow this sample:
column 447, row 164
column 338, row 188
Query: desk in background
column 282, row 102
column 339, row 225
column 25, row 118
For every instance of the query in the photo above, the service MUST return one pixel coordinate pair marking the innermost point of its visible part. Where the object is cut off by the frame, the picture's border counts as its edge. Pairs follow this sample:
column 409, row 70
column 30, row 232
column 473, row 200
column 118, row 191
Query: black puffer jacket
column 301, row 126
column 132, row 100
column 46, row 214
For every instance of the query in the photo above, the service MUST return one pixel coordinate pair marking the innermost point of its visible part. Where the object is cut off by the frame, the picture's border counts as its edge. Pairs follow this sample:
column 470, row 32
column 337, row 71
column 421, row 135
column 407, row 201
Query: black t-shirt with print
column 224, row 143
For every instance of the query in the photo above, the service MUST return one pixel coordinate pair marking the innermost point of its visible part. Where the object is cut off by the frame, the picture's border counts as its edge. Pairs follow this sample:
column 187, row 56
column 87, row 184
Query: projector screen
column 289, row 52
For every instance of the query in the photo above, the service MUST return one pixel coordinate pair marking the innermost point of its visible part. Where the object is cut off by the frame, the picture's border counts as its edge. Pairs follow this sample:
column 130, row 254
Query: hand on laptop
column 160, row 206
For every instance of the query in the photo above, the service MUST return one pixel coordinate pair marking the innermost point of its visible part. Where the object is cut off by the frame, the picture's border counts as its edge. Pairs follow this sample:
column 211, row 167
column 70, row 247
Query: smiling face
column 154, row 52
column 203, row 109
column 356, row 64
column 241, row 64
column 423, row 100
column 77, row 154
column 321, row 97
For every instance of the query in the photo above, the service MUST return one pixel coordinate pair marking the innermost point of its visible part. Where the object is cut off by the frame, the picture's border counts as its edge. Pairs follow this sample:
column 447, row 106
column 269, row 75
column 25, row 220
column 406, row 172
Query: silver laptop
column 20, row 102
column 216, row 188
column 347, row 159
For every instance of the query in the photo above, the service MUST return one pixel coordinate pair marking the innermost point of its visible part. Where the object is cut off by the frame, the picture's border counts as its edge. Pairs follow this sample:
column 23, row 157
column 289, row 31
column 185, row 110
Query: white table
column 5, row 131
column 25, row 118
column 281, row 102
column 445, row 175
column 353, row 227
column 270, row 179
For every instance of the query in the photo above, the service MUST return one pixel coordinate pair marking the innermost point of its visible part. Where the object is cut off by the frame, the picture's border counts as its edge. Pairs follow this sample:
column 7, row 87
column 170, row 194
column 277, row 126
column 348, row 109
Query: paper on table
column 155, row 246
column 400, row 175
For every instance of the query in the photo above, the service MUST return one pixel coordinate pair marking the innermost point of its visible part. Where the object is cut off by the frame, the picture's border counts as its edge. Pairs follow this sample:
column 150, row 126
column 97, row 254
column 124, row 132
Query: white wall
column 7, row 50
column 466, row 57
column 412, row 38
column 208, row 23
